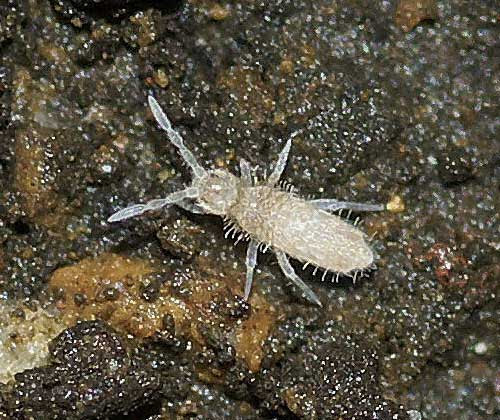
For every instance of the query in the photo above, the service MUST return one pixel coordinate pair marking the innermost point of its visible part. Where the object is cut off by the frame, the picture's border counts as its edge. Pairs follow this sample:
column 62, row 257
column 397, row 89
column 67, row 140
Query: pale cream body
column 293, row 225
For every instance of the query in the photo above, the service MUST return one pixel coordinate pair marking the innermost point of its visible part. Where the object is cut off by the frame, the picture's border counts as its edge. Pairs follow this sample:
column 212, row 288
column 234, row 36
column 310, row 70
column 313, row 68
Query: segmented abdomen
column 293, row 225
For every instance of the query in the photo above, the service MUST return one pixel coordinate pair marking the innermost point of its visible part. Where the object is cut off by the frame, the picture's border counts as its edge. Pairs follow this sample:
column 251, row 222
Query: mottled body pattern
column 297, row 227
column 268, row 216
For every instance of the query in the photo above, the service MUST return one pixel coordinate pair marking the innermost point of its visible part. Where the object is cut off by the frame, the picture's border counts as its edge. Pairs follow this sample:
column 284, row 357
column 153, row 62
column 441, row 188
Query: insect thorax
column 256, row 208
column 218, row 191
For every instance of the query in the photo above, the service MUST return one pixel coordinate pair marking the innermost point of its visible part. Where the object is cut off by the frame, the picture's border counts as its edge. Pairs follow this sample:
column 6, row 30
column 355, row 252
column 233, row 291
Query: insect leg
column 138, row 209
column 246, row 173
column 175, row 137
column 190, row 206
column 280, row 164
column 332, row 205
column 251, row 261
column 288, row 271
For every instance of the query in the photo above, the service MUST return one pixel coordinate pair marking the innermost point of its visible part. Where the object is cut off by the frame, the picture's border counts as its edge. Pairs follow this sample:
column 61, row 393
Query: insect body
column 301, row 229
column 267, row 215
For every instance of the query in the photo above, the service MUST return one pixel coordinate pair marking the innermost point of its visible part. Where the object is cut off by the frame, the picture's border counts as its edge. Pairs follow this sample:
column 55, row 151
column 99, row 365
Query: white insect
column 268, row 216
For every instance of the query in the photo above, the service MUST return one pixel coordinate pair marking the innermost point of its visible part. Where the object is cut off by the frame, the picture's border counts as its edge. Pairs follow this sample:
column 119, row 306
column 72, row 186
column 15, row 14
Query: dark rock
column 86, row 10
column 181, row 238
column 454, row 167
column 91, row 375
column 12, row 14
column 331, row 375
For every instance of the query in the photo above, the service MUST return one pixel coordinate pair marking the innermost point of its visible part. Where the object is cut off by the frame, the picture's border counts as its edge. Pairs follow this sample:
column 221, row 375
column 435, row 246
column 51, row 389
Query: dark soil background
column 144, row 319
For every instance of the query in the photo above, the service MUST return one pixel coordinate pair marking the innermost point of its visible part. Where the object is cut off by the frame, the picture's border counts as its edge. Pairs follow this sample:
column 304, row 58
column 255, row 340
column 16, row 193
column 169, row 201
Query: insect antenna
column 175, row 138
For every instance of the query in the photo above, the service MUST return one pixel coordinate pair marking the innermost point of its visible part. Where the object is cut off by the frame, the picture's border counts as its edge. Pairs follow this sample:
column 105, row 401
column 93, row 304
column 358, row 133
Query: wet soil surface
column 145, row 319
